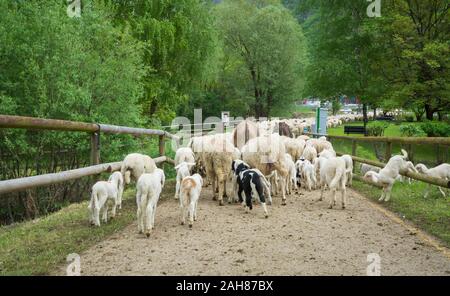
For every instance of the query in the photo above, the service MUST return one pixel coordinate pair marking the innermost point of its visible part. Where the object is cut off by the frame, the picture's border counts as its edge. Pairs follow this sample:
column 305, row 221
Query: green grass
column 37, row 247
column 431, row 214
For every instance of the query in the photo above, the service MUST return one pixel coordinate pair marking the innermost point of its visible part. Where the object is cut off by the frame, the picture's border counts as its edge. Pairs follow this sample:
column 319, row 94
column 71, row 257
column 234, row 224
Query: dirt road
column 302, row 238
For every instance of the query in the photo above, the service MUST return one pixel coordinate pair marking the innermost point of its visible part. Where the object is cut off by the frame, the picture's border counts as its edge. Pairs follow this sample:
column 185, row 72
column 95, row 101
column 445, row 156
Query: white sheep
column 294, row 147
column 333, row 174
column 149, row 188
column 183, row 171
column 291, row 179
column 135, row 164
column 441, row 171
column 267, row 154
column 307, row 172
column 117, row 178
column 191, row 187
column 186, row 155
column 102, row 192
column 389, row 174
column 309, row 153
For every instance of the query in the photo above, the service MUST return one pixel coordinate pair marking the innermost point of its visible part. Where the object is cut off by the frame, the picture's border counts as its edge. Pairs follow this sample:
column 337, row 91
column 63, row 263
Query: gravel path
column 302, row 238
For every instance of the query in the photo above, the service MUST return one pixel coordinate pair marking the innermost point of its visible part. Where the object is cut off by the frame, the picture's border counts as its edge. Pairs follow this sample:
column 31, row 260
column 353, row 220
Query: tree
column 180, row 44
column 264, row 39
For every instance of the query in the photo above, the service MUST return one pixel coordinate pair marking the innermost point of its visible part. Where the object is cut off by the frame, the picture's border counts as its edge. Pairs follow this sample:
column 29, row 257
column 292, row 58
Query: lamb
column 307, row 173
column 387, row 176
column 135, row 164
column 441, row 171
column 149, row 188
column 309, row 153
column 251, row 182
column 291, row 180
column 267, row 153
column 239, row 166
column 117, row 178
column 294, row 147
column 102, row 192
column 191, row 188
column 186, row 155
column 333, row 174
column 182, row 172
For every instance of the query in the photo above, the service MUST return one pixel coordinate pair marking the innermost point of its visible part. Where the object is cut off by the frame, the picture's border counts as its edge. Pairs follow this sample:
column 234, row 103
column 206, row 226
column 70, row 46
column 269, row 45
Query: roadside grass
column 431, row 214
column 39, row 246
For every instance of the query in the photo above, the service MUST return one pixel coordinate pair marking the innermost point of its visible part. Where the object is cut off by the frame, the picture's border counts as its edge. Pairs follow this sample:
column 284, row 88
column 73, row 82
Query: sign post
column 321, row 121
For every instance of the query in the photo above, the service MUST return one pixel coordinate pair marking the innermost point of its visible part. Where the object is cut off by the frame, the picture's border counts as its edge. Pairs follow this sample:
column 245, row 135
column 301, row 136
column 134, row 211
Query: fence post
column 353, row 148
column 95, row 148
column 162, row 145
column 388, row 151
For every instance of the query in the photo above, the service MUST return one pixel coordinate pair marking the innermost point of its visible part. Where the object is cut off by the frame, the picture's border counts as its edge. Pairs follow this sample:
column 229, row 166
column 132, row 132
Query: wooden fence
column 30, row 123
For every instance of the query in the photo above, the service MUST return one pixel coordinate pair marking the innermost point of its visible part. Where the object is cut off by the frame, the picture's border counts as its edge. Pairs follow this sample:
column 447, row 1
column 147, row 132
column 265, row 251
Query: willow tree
column 180, row 46
column 266, row 38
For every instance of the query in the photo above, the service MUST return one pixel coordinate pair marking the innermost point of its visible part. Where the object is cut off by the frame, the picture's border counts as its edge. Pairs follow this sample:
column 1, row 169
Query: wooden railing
column 31, row 123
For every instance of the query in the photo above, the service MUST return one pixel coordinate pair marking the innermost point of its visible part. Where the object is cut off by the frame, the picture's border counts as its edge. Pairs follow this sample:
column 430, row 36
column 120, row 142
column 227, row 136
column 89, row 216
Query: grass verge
column 37, row 247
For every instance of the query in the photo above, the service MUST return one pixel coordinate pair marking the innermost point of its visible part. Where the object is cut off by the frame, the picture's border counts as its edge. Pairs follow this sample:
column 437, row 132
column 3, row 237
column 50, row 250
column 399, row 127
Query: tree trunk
column 429, row 112
column 374, row 113
column 365, row 119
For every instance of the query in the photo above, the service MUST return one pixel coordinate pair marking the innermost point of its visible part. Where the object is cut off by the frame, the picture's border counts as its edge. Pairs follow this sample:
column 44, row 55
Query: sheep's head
column 371, row 176
column 421, row 168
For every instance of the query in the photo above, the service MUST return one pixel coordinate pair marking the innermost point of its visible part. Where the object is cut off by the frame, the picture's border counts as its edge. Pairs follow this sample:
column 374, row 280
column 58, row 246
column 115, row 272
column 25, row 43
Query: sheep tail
column 337, row 177
column 405, row 154
column 127, row 177
column 94, row 200
column 186, row 191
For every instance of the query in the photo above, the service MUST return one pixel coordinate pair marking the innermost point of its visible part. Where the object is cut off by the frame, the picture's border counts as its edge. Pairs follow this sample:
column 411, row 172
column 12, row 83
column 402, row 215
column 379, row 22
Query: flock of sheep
column 259, row 159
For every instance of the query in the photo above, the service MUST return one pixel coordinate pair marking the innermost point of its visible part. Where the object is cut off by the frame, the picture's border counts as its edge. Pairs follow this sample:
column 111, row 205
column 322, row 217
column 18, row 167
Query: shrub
column 377, row 128
column 409, row 118
column 411, row 130
column 436, row 129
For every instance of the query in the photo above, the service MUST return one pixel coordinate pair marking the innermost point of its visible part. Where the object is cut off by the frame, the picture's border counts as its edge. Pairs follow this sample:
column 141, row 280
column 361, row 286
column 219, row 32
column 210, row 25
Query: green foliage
column 336, row 106
column 377, row 128
column 411, row 130
column 180, row 44
column 436, row 129
column 264, row 54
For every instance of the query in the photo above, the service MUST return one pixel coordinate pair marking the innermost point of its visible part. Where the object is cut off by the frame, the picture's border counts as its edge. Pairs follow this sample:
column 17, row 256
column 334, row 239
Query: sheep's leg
column 105, row 213
column 221, row 185
column 350, row 178
column 344, row 198
column 322, row 189
column 332, row 198
column 183, row 215
column 382, row 194
column 195, row 210
column 388, row 192
column 191, row 214
column 153, row 215
column 225, row 188
column 139, row 218
column 283, row 189
column 214, row 181
column 442, row 191
column 148, row 219
column 114, row 207
column 427, row 191
column 96, row 216
column 177, row 189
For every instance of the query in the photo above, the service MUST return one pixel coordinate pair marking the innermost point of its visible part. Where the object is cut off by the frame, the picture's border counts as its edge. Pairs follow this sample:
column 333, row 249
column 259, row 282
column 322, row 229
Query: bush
column 436, row 129
column 377, row 128
column 409, row 118
column 411, row 130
